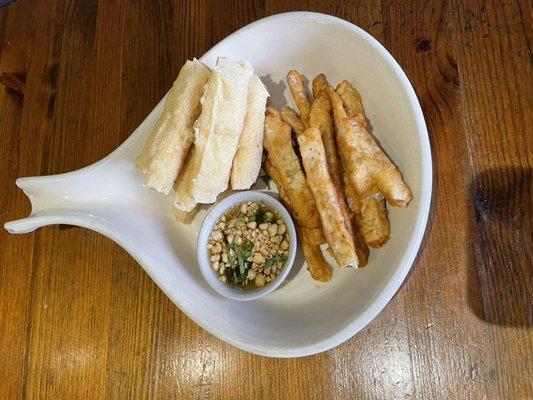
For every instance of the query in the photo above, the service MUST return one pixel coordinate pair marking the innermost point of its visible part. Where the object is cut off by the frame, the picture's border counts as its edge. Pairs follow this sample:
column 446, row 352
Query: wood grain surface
column 79, row 319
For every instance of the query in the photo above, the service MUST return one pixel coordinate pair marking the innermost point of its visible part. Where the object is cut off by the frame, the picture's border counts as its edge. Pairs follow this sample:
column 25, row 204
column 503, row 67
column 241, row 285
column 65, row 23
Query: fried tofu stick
column 352, row 101
column 320, row 85
column 277, row 141
column 353, row 200
column 375, row 225
column 290, row 117
column 295, row 81
column 338, row 237
column 317, row 266
column 320, row 117
column 276, row 177
column 310, row 239
column 368, row 169
column 372, row 218
column 370, row 214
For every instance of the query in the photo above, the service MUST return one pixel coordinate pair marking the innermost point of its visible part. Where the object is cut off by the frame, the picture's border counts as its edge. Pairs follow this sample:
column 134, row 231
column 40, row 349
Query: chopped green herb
column 253, row 216
column 232, row 258
column 242, row 253
column 274, row 260
column 236, row 256
column 264, row 216
column 266, row 179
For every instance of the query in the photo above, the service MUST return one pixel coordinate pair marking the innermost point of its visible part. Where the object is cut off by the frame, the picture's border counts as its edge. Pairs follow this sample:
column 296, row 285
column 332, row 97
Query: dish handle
column 56, row 199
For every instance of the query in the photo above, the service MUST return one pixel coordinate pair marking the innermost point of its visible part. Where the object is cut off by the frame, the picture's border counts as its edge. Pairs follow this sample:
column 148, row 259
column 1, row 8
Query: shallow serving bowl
column 303, row 316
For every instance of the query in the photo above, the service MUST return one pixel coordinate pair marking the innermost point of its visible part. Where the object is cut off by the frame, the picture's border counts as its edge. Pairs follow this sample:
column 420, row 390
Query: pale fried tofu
column 183, row 201
column 163, row 156
column 317, row 266
column 217, row 132
column 224, row 130
column 185, row 217
column 247, row 161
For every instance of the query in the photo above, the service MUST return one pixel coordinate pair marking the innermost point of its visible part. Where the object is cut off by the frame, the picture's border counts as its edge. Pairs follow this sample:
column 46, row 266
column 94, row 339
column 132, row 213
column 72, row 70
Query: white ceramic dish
column 207, row 227
column 302, row 317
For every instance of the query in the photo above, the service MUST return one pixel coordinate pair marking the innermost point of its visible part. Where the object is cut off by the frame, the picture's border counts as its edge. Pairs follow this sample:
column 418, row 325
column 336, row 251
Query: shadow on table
column 501, row 248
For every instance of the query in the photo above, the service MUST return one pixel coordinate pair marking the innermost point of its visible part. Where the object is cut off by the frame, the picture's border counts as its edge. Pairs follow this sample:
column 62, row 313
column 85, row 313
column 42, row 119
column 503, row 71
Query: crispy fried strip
column 295, row 81
column 310, row 239
column 373, row 221
column 320, row 117
column 320, row 85
column 290, row 117
column 370, row 215
column 277, row 141
column 352, row 102
column 375, row 225
column 368, row 169
column 317, row 266
column 339, row 238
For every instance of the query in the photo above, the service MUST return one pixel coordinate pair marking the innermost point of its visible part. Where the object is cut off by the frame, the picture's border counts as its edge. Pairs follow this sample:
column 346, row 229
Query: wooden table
column 79, row 319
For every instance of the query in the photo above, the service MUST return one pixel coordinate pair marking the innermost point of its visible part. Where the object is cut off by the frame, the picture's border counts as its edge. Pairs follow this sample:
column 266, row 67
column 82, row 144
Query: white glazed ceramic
column 303, row 316
column 207, row 227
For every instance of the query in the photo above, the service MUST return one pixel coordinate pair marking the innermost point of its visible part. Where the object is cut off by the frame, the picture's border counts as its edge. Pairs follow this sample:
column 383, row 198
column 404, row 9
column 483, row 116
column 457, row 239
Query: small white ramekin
column 211, row 276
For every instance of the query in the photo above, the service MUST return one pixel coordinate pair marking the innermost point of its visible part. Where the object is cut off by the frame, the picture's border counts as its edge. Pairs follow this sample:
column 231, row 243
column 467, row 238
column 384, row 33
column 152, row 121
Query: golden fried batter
column 320, row 117
column 320, row 85
column 290, row 117
column 277, row 141
column 368, row 169
column 352, row 102
column 317, row 266
column 295, row 81
column 310, row 239
column 338, row 237
column 372, row 218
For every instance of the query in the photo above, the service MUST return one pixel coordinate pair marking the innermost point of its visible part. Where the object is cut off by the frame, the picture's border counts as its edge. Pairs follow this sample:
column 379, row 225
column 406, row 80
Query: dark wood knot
column 423, row 45
column 14, row 82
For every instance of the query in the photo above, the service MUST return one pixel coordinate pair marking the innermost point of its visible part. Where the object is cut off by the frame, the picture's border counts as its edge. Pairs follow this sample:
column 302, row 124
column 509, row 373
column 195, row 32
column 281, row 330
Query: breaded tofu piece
column 163, row 156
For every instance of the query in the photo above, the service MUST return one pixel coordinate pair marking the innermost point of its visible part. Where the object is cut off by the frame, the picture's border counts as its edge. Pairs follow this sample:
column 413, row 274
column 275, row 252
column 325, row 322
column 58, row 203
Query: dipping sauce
column 249, row 245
